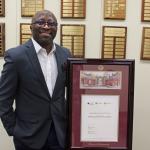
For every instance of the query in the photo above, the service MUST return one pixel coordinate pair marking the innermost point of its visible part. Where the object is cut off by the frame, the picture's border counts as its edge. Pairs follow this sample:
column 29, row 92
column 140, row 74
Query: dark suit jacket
column 22, row 79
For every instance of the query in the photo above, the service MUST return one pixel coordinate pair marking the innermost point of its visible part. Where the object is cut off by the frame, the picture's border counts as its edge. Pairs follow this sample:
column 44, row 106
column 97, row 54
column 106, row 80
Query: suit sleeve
column 69, row 53
column 8, row 86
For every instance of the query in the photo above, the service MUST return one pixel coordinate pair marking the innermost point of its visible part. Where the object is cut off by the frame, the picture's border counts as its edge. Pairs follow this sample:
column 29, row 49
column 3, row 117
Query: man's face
column 44, row 29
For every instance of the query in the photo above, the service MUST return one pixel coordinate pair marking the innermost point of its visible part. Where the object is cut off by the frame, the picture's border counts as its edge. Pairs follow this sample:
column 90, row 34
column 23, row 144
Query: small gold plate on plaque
column 29, row 7
column 25, row 32
column 73, row 8
column 73, row 38
column 2, row 39
column 114, row 42
column 145, row 50
column 115, row 9
column 2, row 8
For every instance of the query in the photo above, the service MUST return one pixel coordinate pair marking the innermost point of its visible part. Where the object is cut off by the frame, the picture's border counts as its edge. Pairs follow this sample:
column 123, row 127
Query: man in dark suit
column 34, row 76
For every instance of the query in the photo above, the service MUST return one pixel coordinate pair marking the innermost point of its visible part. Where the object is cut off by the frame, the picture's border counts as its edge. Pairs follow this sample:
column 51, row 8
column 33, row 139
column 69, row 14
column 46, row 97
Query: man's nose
column 46, row 25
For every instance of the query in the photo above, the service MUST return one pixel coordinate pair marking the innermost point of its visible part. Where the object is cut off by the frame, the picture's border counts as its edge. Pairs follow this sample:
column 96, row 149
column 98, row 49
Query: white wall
column 94, row 22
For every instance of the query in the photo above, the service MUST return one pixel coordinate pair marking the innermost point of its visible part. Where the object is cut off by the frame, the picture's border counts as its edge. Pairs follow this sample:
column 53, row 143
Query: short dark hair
column 42, row 12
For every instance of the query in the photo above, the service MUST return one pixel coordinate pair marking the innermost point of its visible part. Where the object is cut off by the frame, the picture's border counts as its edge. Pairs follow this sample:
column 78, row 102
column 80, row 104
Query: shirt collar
column 38, row 47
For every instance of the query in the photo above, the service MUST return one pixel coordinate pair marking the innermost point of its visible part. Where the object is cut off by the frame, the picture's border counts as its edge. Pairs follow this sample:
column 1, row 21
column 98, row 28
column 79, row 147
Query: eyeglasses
column 43, row 23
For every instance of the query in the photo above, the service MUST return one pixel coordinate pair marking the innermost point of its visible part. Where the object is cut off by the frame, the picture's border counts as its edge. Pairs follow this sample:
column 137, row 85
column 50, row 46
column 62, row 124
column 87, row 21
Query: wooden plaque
column 145, row 50
column 114, row 42
column 73, row 38
column 73, row 8
column 25, row 32
column 114, row 9
column 2, row 8
column 145, row 10
column 29, row 7
column 2, row 39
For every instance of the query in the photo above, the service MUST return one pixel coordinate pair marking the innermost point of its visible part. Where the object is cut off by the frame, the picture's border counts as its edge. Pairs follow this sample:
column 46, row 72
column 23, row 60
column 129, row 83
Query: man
column 34, row 75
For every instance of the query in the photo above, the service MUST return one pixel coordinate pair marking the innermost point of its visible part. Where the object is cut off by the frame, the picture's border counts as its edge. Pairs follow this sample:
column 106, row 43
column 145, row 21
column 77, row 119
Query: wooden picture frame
column 101, row 97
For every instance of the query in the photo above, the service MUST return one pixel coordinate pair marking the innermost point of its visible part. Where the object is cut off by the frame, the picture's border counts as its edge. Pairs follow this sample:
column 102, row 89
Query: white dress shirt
column 48, row 65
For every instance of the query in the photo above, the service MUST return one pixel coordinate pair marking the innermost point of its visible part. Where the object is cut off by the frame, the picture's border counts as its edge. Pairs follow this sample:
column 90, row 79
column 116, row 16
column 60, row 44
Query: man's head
column 44, row 27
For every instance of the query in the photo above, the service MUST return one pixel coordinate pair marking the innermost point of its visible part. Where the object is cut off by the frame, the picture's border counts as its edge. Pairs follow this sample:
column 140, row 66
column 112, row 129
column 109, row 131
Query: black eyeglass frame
column 43, row 23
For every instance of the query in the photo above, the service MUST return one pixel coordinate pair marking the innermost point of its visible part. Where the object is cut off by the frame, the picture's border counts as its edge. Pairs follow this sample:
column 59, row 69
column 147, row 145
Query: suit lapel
column 59, row 61
column 35, row 63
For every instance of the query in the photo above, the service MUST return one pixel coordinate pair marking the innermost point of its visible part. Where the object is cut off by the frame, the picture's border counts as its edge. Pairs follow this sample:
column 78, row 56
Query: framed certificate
column 100, row 95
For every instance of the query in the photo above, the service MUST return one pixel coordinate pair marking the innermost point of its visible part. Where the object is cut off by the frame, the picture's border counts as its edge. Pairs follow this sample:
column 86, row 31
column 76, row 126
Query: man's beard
column 44, row 41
